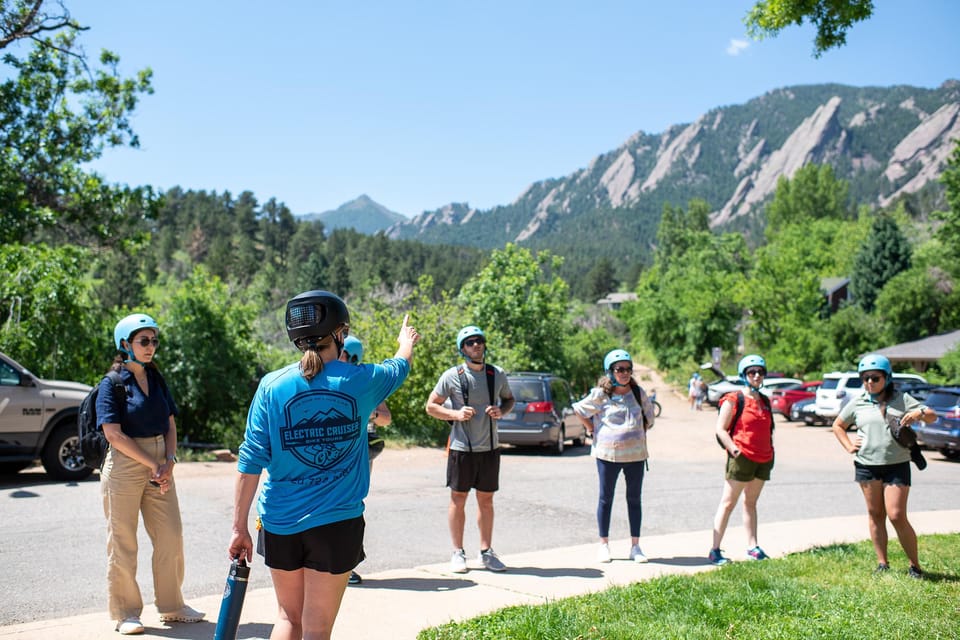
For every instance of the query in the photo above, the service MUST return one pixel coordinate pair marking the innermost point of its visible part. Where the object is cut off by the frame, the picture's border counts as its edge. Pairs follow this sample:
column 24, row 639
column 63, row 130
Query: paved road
column 52, row 534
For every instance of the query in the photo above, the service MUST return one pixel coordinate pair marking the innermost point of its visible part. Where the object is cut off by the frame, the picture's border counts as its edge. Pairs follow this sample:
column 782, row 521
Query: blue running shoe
column 756, row 554
column 716, row 557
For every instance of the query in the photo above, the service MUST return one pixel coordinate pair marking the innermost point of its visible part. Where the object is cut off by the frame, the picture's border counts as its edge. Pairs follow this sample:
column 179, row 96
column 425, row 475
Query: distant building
column 920, row 354
column 836, row 290
column 613, row 300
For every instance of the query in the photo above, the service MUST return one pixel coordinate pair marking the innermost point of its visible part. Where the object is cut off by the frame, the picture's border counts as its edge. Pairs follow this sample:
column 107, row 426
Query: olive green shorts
column 743, row 469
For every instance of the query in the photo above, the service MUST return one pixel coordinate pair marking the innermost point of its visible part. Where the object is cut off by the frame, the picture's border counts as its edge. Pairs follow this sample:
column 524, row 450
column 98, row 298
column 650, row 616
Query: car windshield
column 526, row 390
column 943, row 399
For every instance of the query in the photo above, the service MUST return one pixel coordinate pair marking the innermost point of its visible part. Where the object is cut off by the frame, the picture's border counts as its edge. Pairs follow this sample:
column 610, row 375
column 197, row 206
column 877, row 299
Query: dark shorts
column 480, row 470
column 743, row 469
column 897, row 474
column 332, row 548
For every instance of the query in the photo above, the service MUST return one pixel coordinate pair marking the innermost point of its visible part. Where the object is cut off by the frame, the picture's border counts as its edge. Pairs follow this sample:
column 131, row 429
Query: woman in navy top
column 137, row 478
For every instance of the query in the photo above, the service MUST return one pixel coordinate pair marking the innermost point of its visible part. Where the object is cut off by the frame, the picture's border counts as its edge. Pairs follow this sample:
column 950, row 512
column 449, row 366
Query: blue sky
column 424, row 103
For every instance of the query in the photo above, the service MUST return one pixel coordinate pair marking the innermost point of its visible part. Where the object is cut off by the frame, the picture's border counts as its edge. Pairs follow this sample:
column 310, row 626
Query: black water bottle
column 232, row 603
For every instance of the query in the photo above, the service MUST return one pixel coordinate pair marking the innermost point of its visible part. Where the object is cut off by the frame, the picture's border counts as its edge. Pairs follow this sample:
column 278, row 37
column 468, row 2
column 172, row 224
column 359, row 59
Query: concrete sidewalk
column 398, row 604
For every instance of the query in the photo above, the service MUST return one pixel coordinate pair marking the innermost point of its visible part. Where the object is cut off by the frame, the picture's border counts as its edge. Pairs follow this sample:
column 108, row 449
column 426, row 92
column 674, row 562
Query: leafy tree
column 519, row 300
column 832, row 19
column 57, row 114
column 910, row 305
column 209, row 359
column 949, row 232
column 51, row 326
column 688, row 301
column 851, row 332
column 786, row 304
column 814, row 193
column 376, row 324
column 885, row 253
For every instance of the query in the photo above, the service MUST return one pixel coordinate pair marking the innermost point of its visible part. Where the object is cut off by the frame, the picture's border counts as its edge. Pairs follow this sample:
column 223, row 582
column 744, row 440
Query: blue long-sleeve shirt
column 311, row 437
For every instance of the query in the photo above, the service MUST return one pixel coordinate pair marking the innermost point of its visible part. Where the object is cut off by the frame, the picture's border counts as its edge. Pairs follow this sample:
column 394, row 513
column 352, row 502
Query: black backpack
column 739, row 412
column 93, row 444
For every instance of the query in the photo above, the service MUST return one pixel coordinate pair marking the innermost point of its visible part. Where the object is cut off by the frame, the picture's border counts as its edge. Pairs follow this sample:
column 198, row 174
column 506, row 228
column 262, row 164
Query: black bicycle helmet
column 315, row 314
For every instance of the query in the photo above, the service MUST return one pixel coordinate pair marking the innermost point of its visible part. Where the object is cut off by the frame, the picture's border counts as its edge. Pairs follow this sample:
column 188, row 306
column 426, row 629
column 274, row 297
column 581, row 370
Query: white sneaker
column 185, row 614
column 603, row 552
column 636, row 555
column 458, row 561
column 129, row 626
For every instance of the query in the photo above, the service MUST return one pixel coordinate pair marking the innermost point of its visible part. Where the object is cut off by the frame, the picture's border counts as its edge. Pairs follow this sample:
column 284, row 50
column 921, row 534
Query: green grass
column 826, row 592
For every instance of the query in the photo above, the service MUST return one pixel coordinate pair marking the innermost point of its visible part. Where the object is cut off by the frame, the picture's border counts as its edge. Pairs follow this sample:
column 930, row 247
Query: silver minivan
column 840, row 386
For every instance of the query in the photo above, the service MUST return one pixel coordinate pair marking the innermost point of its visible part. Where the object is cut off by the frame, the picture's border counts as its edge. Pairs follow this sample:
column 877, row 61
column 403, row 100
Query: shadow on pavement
column 416, row 584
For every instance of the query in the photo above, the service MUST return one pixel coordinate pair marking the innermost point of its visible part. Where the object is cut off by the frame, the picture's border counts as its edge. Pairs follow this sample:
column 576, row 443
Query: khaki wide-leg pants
column 127, row 492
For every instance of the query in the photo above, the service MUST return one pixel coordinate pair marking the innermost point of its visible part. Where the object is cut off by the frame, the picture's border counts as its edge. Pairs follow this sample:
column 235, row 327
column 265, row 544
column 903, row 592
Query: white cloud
column 736, row 46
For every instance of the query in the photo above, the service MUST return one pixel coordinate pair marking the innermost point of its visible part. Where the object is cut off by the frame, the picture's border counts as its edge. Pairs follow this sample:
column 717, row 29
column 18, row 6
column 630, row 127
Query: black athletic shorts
column 332, row 548
column 896, row 474
column 479, row 470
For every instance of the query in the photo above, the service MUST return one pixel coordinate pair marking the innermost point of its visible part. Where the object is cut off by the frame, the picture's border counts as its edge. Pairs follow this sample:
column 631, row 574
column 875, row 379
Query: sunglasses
column 470, row 342
column 872, row 378
column 146, row 342
column 756, row 371
column 623, row 369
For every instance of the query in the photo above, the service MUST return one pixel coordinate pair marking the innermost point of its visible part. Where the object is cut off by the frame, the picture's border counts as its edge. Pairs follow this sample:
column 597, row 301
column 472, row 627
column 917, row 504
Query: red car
column 783, row 399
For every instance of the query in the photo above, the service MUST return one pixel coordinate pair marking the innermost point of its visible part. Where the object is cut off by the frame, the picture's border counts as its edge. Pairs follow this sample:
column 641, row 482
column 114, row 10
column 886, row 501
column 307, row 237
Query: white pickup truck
column 38, row 419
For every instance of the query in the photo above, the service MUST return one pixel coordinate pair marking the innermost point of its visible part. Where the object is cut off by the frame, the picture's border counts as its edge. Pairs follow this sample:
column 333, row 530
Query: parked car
column 840, row 386
column 783, row 398
column 720, row 388
column 917, row 390
column 799, row 409
column 38, row 419
column 943, row 434
column 542, row 413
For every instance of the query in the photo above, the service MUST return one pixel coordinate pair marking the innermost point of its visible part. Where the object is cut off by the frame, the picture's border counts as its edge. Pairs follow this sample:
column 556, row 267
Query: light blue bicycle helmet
column 130, row 325
column 875, row 362
column 612, row 358
column 748, row 361
column 354, row 350
column 467, row 332
column 615, row 356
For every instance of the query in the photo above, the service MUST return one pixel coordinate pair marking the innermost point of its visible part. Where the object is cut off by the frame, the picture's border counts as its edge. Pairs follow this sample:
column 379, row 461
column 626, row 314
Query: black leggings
column 609, row 472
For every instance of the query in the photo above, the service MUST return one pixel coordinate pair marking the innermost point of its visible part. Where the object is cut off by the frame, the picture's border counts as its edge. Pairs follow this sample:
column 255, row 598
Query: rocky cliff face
column 886, row 141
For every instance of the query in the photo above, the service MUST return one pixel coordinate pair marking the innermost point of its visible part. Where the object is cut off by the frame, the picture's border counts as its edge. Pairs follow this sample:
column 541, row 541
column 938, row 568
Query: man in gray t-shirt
column 478, row 395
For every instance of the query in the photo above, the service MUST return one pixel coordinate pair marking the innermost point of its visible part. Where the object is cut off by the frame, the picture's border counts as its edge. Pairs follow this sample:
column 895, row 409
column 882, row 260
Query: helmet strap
column 482, row 359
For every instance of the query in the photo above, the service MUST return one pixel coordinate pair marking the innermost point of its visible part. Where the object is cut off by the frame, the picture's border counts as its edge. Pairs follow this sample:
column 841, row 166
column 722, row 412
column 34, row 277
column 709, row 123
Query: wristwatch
column 172, row 459
column 923, row 411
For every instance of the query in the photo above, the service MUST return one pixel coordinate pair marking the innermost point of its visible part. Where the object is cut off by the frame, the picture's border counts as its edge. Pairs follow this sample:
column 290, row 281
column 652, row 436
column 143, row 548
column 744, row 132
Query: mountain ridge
column 886, row 141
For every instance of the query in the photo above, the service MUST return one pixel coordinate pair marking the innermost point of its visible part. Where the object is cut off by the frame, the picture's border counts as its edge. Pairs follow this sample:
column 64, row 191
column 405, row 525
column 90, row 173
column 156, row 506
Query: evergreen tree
column 601, row 279
column 884, row 254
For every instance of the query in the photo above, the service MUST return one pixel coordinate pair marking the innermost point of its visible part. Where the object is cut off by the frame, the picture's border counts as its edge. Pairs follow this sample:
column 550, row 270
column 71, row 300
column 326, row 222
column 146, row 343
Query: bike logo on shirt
column 322, row 427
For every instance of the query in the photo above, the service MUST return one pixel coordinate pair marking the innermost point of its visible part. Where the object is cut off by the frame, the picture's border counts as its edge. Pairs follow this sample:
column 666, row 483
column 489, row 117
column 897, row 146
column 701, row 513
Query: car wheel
column 807, row 420
column 950, row 454
column 10, row 468
column 794, row 415
column 61, row 456
column 561, row 440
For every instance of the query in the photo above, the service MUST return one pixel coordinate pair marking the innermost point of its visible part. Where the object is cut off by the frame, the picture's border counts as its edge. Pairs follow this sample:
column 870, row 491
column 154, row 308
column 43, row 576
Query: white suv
column 837, row 390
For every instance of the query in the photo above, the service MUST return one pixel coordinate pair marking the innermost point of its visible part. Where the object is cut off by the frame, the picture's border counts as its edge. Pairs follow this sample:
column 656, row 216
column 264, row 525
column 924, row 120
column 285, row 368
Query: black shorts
column 480, row 470
column 896, row 474
column 332, row 548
